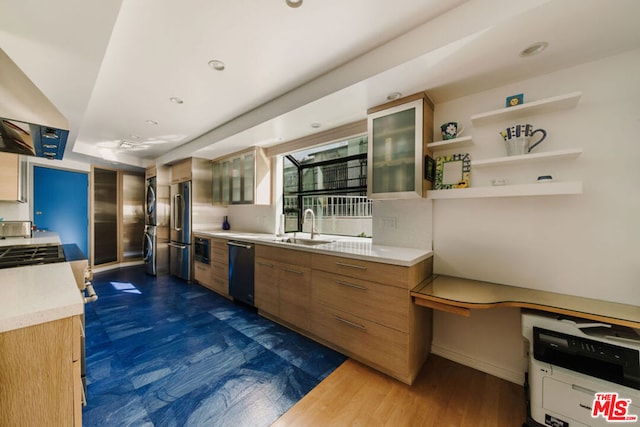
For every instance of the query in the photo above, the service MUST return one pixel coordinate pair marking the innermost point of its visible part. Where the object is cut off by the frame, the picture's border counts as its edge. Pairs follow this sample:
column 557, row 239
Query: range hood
column 29, row 123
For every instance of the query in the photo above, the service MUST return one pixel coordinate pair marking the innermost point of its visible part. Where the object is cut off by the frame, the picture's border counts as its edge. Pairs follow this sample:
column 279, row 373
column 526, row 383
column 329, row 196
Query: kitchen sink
column 305, row 242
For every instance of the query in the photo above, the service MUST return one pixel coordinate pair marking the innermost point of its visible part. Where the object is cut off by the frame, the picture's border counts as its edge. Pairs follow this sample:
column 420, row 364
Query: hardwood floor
column 444, row 394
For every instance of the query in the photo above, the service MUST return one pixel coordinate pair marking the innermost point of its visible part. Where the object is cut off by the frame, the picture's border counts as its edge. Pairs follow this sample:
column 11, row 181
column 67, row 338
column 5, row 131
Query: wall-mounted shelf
column 463, row 141
column 535, row 189
column 526, row 158
column 527, row 109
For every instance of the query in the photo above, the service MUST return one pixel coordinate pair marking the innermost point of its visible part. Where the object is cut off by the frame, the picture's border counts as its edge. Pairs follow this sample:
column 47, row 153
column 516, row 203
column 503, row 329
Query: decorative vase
column 225, row 223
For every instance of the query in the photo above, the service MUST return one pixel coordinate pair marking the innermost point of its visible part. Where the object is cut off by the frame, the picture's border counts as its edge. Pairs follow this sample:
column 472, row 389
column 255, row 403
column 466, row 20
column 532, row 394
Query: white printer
column 572, row 359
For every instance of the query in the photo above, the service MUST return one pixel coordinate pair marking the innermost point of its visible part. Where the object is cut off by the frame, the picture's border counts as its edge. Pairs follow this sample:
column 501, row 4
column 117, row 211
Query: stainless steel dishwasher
column 241, row 270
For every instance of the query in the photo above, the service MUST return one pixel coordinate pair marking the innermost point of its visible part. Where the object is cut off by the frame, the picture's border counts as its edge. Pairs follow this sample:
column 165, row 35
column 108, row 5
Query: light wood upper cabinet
column 399, row 132
column 13, row 178
column 181, row 171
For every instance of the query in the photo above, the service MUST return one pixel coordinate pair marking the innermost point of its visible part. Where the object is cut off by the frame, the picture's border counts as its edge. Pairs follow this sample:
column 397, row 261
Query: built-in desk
column 459, row 296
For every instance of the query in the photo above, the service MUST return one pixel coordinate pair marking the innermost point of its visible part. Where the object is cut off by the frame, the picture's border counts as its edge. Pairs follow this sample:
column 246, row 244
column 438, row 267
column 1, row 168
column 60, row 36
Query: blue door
column 61, row 204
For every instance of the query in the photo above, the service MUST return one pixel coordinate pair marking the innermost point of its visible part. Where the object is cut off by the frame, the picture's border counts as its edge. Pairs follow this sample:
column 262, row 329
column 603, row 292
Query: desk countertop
column 459, row 295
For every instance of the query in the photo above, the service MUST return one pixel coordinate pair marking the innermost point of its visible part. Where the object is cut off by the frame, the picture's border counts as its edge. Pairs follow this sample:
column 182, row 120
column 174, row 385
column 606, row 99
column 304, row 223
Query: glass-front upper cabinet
column 236, row 179
column 395, row 154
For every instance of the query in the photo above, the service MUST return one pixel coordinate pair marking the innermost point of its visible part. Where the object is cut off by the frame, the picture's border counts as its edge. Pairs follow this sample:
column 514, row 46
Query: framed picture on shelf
column 453, row 171
column 514, row 100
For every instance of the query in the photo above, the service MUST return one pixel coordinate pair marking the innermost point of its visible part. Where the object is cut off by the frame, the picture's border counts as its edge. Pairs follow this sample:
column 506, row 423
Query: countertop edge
column 417, row 256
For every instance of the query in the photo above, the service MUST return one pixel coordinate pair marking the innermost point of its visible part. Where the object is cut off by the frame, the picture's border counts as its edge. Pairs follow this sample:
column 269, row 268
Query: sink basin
column 306, row 242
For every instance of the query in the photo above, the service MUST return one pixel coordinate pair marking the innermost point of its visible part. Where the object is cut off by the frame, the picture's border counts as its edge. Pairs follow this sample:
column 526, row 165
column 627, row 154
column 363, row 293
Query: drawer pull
column 288, row 270
column 353, row 324
column 351, row 285
column 266, row 264
column 359, row 267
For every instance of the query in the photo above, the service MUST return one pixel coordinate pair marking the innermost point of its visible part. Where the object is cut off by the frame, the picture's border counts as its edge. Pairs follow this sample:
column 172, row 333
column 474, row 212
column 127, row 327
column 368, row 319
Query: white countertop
column 37, row 294
column 351, row 247
column 38, row 238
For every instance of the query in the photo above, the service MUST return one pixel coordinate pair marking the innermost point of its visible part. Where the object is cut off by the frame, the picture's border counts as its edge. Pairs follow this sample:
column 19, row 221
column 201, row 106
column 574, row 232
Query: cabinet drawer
column 220, row 251
column 202, row 273
column 386, row 305
column 220, row 270
column 266, row 286
column 388, row 274
column 382, row 346
column 291, row 256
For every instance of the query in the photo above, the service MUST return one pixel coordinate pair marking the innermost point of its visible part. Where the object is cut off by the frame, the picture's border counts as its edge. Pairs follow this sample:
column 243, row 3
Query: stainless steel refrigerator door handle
column 176, row 245
column 179, row 219
column 239, row 245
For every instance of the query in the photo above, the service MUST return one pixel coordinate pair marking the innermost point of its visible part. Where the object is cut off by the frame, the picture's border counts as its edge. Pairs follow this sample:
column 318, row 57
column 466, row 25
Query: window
column 331, row 180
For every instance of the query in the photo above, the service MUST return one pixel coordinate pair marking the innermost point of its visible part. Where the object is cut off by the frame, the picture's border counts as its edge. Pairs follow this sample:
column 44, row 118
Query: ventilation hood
column 29, row 123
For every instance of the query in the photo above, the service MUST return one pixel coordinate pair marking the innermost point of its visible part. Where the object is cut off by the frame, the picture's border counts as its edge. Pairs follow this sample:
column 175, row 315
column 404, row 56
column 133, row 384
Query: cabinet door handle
column 265, row 264
column 353, row 324
column 351, row 285
column 288, row 270
column 359, row 267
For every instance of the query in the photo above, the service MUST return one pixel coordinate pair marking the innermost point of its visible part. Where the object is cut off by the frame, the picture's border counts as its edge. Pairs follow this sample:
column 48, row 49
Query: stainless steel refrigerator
column 191, row 209
column 180, row 231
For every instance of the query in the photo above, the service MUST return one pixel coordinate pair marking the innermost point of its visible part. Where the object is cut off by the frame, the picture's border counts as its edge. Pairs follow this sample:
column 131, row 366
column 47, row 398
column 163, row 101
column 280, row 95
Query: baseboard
column 516, row 377
column 114, row 266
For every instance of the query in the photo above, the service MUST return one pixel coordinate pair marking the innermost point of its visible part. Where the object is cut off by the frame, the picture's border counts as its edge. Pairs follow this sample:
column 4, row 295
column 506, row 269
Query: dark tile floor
column 161, row 352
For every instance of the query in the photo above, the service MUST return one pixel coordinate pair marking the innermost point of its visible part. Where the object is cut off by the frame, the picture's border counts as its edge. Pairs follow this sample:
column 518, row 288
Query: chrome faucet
column 314, row 232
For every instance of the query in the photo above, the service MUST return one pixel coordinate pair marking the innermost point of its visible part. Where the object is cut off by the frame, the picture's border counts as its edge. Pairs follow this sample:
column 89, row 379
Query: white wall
column 585, row 245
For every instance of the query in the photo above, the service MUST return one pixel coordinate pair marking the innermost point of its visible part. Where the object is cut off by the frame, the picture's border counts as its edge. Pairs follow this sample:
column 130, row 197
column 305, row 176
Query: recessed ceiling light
column 216, row 64
column 176, row 100
column 315, row 125
column 393, row 96
column 151, row 122
column 534, row 49
column 294, row 3
column 134, row 136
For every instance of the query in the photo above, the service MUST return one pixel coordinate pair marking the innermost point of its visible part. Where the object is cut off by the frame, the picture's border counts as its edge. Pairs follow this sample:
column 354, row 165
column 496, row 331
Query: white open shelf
column 535, row 189
column 526, row 158
column 463, row 141
column 528, row 108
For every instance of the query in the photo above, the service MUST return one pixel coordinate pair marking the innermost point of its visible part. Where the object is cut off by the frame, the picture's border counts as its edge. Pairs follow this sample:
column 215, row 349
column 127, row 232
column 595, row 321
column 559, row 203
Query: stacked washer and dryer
column 156, row 230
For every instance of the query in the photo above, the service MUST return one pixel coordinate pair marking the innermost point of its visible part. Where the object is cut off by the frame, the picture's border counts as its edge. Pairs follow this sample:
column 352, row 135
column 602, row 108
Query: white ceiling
column 110, row 66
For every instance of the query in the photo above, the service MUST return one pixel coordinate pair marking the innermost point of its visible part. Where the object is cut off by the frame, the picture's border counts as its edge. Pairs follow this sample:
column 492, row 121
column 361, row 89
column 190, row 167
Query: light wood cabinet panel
column 38, row 376
column 12, row 176
column 181, row 171
column 267, row 297
column 202, row 273
column 389, row 274
column 294, row 284
column 380, row 346
column 220, row 251
column 385, row 305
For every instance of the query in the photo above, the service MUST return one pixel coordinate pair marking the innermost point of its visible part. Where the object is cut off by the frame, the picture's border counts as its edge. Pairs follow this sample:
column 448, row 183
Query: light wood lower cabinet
column 361, row 308
column 283, row 284
column 215, row 275
column 40, row 382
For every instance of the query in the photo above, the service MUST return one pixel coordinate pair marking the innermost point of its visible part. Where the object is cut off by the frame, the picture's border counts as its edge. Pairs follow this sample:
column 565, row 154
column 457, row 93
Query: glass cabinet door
column 395, row 152
column 248, row 165
column 217, row 183
column 236, row 180
column 226, row 173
